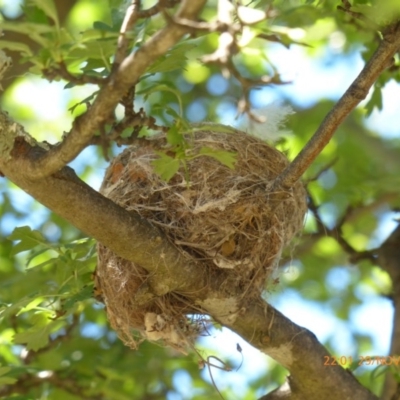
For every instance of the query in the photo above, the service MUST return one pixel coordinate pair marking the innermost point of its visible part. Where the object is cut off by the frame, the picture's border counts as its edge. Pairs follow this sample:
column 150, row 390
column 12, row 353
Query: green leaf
column 354, row 365
column 28, row 238
column 4, row 370
column 13, row 309
column 48, row 7
column 33, row 255
column 115, row 3
column 96, row 34
column 5, row 380
column 84, row 249
column 95, row 49
column 16, row 46
column 34, row 340
column 227, row 158
column 117, row 17
column 173, row 60
column 375, row 101
column 378, row 371
column 32, row 305
column 85, row 293
column 84, row 101
column 162, row 87
column 102, row 26
column 165, row 166
column 92, row 64
column 170, row 111
column 28, row 28
column 174, row 137
column 37, row 337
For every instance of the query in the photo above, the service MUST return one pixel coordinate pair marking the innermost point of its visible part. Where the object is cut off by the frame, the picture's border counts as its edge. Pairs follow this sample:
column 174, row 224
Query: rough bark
column 298, row 350
column 389, row 260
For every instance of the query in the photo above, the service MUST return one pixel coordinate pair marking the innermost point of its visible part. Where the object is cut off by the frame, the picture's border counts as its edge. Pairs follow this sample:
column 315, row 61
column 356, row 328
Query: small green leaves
column 224, row 157
column 165, row 166
column 181, row 151
column 157, row 87
column 38, row 336
column 85, row 293
column 174, row 137
column 102, row 26
column 68, row 272
column 173, row 60
column 6, row 380
column 16, row 46
column 28, row 240
column 48, row 7
column 375, row 101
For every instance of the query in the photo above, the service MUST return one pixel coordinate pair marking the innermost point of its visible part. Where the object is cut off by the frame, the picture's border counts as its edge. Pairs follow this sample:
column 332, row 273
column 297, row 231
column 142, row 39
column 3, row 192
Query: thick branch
column 64, row 193
column 128, row 74
column 358, row 90
column 389, row 260
column 298, row 350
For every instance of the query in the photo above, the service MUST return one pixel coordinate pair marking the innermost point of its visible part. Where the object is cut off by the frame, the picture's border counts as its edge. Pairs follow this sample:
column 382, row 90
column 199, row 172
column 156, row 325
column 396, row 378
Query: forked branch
column 127, row 74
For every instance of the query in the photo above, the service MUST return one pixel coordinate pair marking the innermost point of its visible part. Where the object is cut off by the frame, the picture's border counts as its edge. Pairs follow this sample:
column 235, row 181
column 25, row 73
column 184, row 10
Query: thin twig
column 131, row 16
column 157, row 8
column 62, row 72
column 325, row 168
column 277, row 38
column 337, row 233
column 215, row 26
column 358, row 90
column 227, row 48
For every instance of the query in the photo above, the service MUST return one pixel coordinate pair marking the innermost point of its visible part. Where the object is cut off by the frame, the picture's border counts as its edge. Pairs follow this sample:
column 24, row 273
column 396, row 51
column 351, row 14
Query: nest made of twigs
column 210, row 212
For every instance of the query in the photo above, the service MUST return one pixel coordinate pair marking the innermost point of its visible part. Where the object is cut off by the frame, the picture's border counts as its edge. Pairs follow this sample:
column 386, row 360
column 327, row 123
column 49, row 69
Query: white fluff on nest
column 273, row 118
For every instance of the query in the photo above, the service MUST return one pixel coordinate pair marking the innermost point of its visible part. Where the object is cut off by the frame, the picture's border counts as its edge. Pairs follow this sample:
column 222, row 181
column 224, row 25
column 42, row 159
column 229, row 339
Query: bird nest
column 211, row 213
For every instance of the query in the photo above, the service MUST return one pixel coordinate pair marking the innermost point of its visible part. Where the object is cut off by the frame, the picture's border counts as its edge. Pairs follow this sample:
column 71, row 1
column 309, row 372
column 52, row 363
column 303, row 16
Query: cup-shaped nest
column 212, row 213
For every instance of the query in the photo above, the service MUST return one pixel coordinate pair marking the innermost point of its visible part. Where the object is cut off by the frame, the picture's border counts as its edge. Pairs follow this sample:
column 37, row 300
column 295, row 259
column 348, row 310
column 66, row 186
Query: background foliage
column 55, row 341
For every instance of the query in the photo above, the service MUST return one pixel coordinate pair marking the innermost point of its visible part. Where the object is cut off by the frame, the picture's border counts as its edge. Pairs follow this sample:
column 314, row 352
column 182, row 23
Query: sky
column 312, row 81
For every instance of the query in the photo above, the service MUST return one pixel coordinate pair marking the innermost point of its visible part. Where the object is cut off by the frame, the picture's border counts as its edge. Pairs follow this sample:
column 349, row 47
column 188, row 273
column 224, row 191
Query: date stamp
column 343, row 361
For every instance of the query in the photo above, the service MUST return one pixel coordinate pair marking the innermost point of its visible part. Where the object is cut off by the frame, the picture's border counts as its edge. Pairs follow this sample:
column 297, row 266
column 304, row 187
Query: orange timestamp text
column 362, row 360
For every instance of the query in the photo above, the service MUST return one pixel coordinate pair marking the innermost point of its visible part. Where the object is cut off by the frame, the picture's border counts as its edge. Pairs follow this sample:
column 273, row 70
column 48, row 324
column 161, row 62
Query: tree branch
column 125, row 76
column 389, row 260
column 62, row 71
column 132, row 237
column 358, row 90
column 298, row 350
column 131, row 16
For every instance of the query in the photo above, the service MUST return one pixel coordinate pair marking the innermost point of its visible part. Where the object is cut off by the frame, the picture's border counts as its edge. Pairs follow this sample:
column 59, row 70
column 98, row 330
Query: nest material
column 210, row 212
